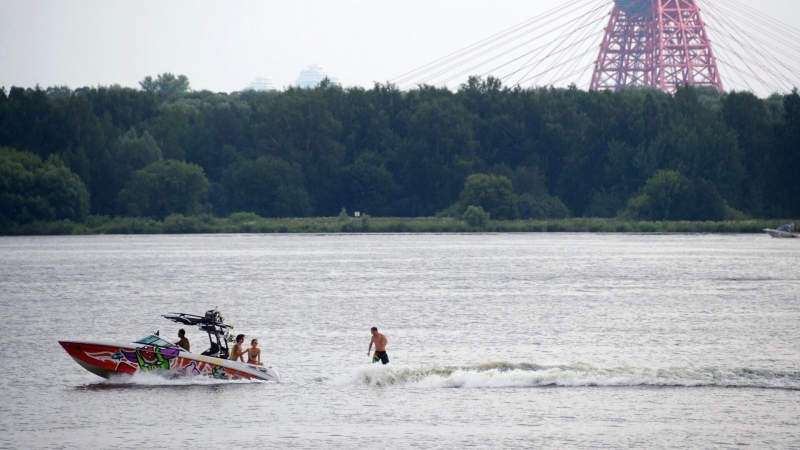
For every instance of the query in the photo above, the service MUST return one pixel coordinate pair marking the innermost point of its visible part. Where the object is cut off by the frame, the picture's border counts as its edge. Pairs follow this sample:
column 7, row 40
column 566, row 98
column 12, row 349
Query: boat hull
column 106, row 359
column 781, row 234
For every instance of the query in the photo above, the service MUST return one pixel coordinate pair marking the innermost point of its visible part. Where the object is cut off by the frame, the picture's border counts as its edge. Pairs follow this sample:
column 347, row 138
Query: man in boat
column 237, row 352
column 380, row 342
column 183, row 342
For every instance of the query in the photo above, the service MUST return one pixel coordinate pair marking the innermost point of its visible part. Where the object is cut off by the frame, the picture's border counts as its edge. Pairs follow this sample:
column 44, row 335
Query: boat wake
column 505, row 375
column 163, row 378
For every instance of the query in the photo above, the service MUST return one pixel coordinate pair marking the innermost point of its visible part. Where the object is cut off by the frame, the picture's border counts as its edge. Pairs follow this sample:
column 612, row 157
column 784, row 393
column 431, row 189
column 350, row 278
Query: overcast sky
column 222, row 46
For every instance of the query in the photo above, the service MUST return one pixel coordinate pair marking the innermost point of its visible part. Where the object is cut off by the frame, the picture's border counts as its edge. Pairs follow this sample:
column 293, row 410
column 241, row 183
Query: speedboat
column 783, row 231
column 152, row 353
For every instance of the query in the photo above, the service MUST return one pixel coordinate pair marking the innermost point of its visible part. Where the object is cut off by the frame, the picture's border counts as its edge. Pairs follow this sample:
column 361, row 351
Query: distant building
column 311, row 77
column 261, row 84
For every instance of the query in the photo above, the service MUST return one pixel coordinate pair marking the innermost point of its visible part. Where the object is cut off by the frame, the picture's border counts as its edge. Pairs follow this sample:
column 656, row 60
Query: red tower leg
column 665, row 46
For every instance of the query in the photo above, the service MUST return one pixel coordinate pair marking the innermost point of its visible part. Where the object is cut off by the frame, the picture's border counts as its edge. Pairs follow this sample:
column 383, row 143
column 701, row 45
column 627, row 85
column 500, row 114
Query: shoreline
column 250, row 223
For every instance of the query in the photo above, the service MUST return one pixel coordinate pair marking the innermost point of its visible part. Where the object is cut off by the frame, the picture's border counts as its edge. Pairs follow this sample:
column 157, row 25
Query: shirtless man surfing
column 380, row 342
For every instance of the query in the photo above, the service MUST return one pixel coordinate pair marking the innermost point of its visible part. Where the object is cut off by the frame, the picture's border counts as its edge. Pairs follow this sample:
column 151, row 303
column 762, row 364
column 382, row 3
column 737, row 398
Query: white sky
column 222, row 46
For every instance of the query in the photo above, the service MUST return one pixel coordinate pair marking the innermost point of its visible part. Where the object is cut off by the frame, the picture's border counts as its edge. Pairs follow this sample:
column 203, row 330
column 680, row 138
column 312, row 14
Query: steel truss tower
column 655, row 43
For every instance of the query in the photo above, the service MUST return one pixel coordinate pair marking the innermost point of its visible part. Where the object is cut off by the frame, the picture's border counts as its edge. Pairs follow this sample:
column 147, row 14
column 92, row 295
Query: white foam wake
column 162, row 378
column 504, row 375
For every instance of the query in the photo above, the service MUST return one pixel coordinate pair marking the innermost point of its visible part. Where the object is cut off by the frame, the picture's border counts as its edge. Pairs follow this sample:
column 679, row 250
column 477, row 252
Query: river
column 495, row 340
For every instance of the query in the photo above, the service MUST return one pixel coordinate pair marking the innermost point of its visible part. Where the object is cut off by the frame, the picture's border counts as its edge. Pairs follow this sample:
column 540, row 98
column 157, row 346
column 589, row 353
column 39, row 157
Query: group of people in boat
column 254, row 353
column 237, row 353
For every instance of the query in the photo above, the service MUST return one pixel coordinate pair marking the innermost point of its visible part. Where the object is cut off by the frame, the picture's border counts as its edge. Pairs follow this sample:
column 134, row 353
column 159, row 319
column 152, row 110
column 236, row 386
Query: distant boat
column 784, row 231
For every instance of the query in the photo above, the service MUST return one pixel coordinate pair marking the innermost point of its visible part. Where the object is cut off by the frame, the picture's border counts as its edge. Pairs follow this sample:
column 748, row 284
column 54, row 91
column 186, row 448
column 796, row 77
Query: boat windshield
column 789, row 227
column 155, row 341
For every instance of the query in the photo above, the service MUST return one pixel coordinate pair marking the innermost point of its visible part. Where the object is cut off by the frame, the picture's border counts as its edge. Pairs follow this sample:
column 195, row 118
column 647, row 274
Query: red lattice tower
column 655, row 43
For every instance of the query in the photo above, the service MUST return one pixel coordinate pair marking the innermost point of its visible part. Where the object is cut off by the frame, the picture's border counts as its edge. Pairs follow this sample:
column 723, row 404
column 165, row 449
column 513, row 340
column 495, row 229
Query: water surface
column 496, row 340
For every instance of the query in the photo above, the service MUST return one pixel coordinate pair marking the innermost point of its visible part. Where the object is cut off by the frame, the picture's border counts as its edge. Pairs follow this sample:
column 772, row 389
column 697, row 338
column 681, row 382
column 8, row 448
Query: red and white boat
column 152, row 353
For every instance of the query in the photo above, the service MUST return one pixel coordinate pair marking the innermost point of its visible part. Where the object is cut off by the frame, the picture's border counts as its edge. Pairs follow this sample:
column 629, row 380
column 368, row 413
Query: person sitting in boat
column 254, row 353
column 238, row 353
column 183, row 342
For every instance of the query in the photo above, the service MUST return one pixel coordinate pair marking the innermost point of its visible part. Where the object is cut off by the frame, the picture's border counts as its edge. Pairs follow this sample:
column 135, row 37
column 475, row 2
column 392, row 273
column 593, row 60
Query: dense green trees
column 525, row 153
column 166, row 83
column 372, row 186
column 268, row 186
column 494, row 194
column 131, row 153
column 164, row 188
column 668, row 195
column 32, row 190
column 787, row 156
column 475, row 216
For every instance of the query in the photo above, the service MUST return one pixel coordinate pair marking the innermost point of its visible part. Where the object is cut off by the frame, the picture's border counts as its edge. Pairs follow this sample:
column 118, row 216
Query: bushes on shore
column 252, row 223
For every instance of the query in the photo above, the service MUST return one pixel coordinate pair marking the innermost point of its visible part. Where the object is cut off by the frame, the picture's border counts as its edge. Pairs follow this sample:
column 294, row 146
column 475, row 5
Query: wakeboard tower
column 154, row 353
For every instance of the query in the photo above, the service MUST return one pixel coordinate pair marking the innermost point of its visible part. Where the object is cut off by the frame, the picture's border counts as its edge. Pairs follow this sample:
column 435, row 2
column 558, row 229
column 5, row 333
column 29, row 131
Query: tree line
column 513, row 153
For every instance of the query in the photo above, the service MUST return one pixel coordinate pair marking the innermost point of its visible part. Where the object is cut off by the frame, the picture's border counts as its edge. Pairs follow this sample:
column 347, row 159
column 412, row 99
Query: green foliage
column 244, row 217
column 476, row 217
column 97, row 222
column 349, row 226
column 268, row 186
column 166, row 83
column 371, row 185
column 439, row 151
column 134, row 225
column 605, row 204
column 33, row 190
column 300, row 128
column 668, row 195
column 180, row 224
column 787, row 156
column 541, row 207
column 493, row 194
column 391, row 153
column 733, row 214
column 249, row 223
column 131, row 153
column 26, row 161
column 164, row 188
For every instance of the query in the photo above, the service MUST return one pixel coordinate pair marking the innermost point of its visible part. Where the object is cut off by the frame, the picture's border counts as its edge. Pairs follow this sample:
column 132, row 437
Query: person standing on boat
column 183, row 342
column 380, row 342
column 237, row 352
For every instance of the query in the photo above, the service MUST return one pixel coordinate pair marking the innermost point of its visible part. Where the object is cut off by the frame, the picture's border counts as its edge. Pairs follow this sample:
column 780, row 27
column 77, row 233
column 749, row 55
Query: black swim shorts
column 382, row 356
